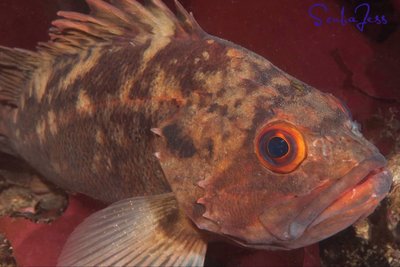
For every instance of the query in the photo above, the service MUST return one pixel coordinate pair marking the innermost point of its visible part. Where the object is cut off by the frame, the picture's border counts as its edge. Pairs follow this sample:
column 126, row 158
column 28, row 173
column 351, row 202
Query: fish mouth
column 335, row 207
column 352, row 205
column 370, row 190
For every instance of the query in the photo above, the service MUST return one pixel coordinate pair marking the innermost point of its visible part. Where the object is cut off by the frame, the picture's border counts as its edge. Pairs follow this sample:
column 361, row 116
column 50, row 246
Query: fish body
column 186, row 132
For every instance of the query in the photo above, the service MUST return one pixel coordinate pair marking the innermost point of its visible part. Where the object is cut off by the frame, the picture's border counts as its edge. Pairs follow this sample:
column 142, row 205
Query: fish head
column 275, row 163
column 319, row 174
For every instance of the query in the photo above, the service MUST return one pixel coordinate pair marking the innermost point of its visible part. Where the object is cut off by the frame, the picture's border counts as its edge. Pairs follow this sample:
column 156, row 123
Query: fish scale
column 143, row 110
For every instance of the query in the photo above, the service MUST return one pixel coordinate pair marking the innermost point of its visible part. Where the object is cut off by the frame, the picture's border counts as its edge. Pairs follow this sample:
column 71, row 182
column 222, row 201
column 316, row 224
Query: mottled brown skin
column 85, row 124
column 113, row 134
column 111, row 126
column 220, row 126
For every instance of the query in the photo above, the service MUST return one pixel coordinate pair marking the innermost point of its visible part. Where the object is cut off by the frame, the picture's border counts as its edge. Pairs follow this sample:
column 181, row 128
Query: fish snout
column 356, row 147
column 331, row 208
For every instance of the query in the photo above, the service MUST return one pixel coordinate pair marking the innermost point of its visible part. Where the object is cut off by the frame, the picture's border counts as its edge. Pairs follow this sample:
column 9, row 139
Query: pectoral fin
column 141, row 231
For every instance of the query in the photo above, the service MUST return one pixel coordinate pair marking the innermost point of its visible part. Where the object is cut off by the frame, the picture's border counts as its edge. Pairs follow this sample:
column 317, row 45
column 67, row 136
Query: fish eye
column 280, row 147
column 277, row 147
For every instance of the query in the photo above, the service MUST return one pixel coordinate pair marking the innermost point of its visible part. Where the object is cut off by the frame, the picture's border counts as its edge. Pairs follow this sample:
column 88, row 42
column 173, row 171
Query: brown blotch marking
column 332, row 121
column 221, row 92
column 162, row 87
column 250, row 86
column 286, row 91
column 114, row 73
column 168, row 222
column 112, row 69
column 210, row 147
column 212, row 81
column 186, row 71
column 226, row 135
column 277, row 102
column 178, row 142
column 238, row 103
column 156, row 82
column 84, row 104
column 251, row 68
column 198, row 210
column 51, row 116
column 301, row 88
column 201, row 99
column 222, row 109
column 261, row 115
column 72, row 71
column 60, row 76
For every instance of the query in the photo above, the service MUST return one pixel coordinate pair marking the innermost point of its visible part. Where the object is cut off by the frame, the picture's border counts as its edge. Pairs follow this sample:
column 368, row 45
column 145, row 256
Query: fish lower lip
column 364, row 196
column 317, row 210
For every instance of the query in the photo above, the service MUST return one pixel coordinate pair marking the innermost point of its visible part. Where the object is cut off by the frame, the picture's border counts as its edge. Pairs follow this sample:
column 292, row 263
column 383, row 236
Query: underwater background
column 360, row 64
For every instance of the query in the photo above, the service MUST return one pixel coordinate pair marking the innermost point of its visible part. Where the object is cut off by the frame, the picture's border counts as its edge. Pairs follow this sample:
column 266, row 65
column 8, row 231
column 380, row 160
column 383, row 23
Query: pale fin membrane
column 108, row 23
column 16, row 69
column 140, row 231
column 118, row 21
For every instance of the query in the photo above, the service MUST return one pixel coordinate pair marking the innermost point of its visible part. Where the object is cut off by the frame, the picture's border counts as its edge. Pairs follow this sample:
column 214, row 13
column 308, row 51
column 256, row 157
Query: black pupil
column 277, row 147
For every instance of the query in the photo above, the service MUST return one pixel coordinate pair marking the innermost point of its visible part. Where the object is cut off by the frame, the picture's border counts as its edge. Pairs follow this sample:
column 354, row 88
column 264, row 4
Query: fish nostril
column 323, row 148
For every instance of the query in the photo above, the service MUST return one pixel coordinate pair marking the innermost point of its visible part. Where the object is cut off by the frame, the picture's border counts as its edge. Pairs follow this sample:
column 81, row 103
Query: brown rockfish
column 186, row 135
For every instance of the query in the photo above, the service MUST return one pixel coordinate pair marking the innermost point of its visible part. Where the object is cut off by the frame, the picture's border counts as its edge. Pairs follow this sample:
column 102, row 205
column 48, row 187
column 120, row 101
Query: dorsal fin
column 109, row 22
column 16, row 69
column 118, row 20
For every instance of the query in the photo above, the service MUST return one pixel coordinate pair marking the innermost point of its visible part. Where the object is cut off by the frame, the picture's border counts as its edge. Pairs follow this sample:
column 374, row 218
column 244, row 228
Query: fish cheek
column 235, row 198
column 183, row 167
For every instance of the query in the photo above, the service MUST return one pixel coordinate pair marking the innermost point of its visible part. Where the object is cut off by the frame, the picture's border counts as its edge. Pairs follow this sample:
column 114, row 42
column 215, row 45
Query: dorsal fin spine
column 116, row 21
column 187, row 19
column 119, row 20
column 16, row 69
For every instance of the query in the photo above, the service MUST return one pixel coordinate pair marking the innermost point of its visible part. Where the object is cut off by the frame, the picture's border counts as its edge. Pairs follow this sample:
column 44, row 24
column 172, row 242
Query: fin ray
column 115, row 21
column 16, row 69
column 97, row 228
column 154, row 232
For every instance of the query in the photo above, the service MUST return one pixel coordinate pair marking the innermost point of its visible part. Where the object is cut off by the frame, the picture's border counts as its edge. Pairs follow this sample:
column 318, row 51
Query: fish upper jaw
column 368, row 182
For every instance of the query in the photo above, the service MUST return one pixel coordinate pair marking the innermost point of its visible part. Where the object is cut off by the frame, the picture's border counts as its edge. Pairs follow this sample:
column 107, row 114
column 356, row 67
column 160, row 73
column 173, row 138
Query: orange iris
column 280, row 147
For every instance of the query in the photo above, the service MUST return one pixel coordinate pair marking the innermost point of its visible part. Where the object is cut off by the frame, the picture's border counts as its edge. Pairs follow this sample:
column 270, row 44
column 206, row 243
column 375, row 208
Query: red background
column 360, row 68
